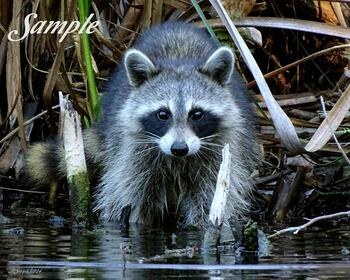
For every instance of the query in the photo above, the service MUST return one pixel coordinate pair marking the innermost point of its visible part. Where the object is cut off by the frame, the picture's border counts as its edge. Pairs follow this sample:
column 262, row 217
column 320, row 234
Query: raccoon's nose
column 179, row 148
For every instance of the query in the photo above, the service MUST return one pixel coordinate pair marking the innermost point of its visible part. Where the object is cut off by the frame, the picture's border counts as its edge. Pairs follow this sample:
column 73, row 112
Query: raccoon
column 170, row 107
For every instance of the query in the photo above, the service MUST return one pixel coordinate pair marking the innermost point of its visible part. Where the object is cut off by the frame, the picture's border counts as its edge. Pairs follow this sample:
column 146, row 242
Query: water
column 42, row 247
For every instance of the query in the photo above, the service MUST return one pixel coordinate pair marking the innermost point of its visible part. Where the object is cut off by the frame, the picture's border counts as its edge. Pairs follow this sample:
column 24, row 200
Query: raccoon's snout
column 179, row 142
column 179, row 148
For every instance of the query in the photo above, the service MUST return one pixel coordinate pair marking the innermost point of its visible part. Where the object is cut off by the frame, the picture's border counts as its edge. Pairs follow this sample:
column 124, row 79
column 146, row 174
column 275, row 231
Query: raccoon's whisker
column 210, row 136
column 144, row 151
column 208, row 145
column 202, row 155
column 198, row 155
column 212, row 144
column 147, row 138
column 145, row 143
column 209, row 149
column 151, row 138
column 158, row 157
column 197, row 175
column 152, row 135
column 148, row 149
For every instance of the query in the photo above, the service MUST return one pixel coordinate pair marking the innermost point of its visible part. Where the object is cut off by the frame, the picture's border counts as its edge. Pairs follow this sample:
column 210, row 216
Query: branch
column 13, row 132
column 295, row 230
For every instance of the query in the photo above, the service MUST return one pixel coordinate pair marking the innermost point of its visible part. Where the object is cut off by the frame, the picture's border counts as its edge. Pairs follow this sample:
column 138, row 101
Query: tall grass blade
column 91, row 82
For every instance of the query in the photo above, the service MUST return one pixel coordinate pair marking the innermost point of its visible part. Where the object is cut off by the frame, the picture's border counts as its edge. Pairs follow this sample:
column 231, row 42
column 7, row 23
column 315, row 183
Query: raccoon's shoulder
column 176, row 40
column 242, row 96
column 114, row 95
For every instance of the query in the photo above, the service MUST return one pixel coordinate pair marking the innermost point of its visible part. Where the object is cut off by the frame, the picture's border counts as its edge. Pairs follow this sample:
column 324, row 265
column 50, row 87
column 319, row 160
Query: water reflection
column 106, row 249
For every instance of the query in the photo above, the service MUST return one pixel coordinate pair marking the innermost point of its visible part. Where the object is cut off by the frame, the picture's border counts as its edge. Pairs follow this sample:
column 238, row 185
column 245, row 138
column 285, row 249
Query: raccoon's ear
column 219, row 65
column 139, row 67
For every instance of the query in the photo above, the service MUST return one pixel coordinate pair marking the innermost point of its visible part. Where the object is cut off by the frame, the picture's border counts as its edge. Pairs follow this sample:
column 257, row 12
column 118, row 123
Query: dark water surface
column 42, row 247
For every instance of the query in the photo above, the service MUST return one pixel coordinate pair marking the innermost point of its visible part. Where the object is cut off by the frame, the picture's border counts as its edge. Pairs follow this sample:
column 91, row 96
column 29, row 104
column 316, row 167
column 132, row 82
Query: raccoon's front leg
column 193, row 212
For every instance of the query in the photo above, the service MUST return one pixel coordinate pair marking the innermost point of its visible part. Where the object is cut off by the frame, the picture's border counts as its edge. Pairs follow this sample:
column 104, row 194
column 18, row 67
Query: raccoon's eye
column 196, row 115
column 163, row 115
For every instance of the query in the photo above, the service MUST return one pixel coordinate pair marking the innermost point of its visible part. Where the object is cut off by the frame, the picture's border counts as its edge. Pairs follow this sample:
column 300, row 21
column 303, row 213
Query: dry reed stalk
column 14, row 76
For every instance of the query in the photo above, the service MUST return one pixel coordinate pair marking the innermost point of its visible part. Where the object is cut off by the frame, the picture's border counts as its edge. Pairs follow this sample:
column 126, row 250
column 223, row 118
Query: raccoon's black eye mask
column 196, row 115
column 158, row 122
column 203, row 123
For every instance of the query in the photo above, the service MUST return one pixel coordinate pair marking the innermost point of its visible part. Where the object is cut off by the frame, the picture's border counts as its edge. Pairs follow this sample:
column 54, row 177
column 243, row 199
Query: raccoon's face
column 180, row 131
column 182, row 109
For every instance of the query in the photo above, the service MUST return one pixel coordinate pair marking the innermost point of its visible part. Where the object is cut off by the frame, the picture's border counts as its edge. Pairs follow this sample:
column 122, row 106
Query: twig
column 13, row 132
column 298, row 62
column 296, row 229
column 21, row 190
column 331, row 130
column 268, row 178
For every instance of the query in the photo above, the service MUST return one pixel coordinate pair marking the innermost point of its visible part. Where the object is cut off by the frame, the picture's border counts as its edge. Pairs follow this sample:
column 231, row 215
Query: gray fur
column 219, row 65
column 179, row 67
column 138, row 67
